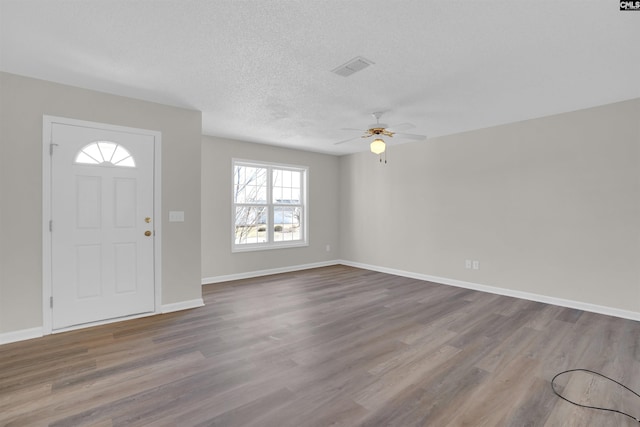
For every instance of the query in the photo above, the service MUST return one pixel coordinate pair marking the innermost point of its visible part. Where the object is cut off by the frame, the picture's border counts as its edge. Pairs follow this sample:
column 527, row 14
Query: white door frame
column 47, row 283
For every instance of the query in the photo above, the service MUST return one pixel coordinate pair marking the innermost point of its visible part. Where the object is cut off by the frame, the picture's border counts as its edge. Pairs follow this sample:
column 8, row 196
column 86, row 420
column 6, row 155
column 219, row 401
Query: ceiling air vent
column 356, row 64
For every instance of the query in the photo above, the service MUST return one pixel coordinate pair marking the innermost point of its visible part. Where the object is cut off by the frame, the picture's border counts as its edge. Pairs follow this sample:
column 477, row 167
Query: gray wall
column 217, row 259
column 23, row 102
column 549, row 206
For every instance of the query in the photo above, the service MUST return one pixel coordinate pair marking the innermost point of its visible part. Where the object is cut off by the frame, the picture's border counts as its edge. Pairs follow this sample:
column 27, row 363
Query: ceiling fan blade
column 346, row 140
column 400, row 127
column 359, row 130
column 411, row 136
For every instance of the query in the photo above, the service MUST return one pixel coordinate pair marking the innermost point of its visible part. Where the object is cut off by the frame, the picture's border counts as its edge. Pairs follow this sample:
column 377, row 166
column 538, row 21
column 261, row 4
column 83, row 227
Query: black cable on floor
column 593, row 407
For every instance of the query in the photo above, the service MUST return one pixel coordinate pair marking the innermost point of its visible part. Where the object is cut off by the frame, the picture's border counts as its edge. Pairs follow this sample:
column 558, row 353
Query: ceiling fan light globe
column 377, row 146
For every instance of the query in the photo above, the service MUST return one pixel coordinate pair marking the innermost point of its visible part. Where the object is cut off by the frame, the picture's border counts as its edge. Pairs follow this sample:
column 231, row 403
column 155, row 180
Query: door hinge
column 50, row 225
column 51, row 148
column 51, row 302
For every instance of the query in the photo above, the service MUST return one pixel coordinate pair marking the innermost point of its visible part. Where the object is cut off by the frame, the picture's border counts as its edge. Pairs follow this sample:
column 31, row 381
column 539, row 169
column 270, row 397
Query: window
column 105, row 153
column 269, row 205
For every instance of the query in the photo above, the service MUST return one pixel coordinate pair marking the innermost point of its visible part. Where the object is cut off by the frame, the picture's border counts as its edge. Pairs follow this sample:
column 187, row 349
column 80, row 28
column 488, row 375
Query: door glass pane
column 105, row 153
column 107, row 149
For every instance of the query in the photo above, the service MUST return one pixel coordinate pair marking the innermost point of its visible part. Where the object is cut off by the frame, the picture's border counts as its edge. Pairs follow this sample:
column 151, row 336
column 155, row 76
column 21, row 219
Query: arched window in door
column 105, row 153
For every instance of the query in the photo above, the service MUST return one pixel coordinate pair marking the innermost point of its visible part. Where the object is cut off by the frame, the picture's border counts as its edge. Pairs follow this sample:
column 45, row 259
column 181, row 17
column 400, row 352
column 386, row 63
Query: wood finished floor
column 334, row 346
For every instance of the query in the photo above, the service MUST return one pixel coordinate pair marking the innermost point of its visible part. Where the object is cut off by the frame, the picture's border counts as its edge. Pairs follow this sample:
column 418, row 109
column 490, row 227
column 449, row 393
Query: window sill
column 267, row 247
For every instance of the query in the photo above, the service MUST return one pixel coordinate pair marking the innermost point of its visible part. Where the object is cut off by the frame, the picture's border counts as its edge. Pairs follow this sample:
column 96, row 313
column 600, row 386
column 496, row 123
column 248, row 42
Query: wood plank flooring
column 334, row 346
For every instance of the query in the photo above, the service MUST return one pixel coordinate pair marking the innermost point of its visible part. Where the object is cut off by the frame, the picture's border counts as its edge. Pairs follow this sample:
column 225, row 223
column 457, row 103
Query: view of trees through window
column 268, row 204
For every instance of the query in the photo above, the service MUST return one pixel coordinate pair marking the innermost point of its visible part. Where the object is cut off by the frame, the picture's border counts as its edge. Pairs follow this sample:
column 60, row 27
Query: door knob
column 147, row 233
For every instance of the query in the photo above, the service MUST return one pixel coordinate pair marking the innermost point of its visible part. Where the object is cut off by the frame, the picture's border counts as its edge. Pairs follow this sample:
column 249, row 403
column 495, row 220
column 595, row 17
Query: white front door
column 102, row 229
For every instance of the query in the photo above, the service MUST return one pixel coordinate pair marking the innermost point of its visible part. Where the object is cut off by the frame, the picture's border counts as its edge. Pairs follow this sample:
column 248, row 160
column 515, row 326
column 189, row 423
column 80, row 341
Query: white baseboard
column 600, row 309
column 26, row 334
column 258, row 273
column 21, row 335
column 182, row 305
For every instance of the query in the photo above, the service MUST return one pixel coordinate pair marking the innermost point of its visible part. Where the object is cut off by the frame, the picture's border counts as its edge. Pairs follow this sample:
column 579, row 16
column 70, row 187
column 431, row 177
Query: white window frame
column 270, row 243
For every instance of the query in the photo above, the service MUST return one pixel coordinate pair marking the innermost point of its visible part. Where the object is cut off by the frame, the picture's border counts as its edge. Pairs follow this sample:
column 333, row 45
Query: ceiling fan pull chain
column 385, row 157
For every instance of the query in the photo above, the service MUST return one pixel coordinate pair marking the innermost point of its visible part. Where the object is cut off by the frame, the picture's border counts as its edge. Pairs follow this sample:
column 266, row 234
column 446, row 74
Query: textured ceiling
column 260, row 70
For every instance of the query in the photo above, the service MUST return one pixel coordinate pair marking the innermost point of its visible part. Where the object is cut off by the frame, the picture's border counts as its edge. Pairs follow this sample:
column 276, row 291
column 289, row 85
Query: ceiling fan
column 379, row 130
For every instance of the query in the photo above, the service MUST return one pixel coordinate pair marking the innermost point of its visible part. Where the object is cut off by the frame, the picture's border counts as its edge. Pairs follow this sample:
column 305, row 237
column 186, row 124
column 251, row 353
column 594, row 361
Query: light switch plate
column 176, row 216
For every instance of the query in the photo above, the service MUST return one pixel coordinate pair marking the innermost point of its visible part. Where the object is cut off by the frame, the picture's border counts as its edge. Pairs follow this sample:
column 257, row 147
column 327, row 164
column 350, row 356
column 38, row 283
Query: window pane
column 119, row 154
column 277, row 178
column 276, row 191
column 250, row 184
column 94, row 152
column 285, row 184
column 295, row 195
column 107, row 149
column 286, row 178
column 82, row 157
column 262, row 195
column 277, row 194
column 127, row 162
column 250, row 225
column 286, row 224
column 295, row 179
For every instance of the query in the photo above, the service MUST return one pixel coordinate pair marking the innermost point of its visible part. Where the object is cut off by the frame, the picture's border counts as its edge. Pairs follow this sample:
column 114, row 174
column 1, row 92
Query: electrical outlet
column 328, row 248
column 476, row 265
column 467, row 263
